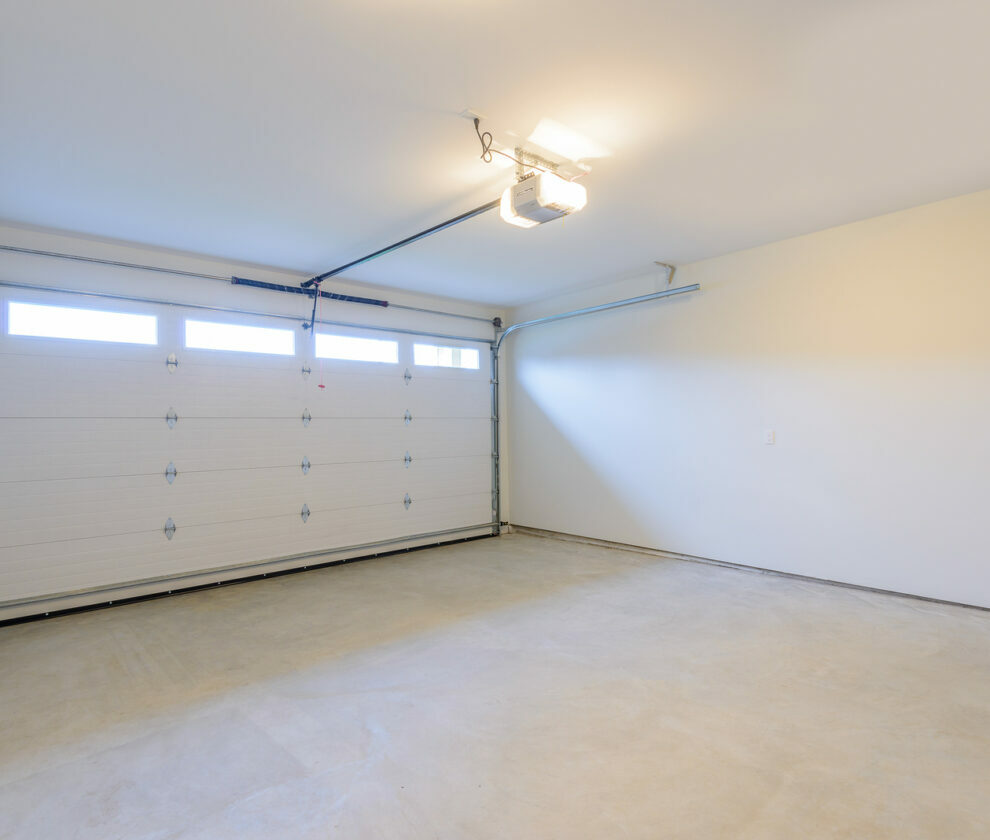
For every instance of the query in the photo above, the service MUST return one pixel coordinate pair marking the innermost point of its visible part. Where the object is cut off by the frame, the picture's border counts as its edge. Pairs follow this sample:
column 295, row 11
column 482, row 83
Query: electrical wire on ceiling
column 487, row 151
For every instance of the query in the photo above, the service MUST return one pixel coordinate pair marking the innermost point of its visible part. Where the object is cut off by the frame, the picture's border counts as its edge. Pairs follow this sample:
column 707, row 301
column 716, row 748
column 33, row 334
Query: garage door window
column 353, row 349
column 46, row 321
column 209, row 335
column 432, row 355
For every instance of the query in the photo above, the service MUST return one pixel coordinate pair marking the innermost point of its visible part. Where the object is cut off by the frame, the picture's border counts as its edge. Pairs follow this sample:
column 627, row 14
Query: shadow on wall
column 542, row 396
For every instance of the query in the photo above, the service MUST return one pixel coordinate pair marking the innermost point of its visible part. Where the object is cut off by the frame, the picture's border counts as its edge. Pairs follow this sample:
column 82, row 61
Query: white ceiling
column 305, row 134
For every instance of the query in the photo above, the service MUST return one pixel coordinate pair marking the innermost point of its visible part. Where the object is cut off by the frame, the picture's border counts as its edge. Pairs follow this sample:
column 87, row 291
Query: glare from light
column 210, row 335
column 569, row 196
column 83, row 324
column 353, row 349
column 561, row 140
column 550, row 197
column 432, row 355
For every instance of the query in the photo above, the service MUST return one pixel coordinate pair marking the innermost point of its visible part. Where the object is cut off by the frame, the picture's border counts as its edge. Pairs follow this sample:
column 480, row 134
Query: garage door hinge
column 407, row 417
column 169, row 528
column 304, row 513
column 171, row 418
column 407, row 460
column 407, row 501
column 170, row 472
column 305, row 465
column 407, row 376
column 306, row 371
column 171, row 363
column 306, row 416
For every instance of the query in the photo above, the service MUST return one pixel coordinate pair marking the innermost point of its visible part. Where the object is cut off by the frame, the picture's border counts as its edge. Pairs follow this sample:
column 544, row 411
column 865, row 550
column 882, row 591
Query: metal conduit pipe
column 680, row 290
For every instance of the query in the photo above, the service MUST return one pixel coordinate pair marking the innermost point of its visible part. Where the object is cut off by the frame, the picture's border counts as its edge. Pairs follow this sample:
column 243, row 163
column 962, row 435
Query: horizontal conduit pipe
column 616, row 304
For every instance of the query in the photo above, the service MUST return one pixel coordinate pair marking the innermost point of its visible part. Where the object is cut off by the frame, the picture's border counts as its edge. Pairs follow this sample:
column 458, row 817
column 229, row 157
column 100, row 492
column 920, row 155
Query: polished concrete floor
column 509, row 688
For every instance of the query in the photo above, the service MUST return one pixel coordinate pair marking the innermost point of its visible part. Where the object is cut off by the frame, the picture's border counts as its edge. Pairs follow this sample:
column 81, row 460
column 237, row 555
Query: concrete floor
column 510, row 688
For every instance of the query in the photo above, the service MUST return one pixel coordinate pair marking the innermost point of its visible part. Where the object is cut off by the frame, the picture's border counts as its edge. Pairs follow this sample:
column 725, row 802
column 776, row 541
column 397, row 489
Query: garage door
column 161, row 446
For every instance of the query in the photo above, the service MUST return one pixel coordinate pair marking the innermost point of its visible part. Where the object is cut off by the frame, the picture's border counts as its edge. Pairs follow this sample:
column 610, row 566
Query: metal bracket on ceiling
column 527, row 161
column 670, row 269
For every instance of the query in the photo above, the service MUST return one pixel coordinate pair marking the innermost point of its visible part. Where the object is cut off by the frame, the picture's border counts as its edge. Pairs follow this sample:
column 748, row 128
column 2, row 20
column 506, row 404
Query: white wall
column 866, row 348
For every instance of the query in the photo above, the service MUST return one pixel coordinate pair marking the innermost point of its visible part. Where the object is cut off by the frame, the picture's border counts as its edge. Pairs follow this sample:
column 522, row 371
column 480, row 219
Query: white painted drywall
column 865, row 348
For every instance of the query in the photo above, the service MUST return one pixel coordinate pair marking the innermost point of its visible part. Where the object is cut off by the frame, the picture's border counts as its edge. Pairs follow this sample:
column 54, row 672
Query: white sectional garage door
column 266, row 466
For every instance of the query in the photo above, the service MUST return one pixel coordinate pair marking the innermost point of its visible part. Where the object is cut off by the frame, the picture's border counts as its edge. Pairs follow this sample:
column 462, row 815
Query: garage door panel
column 50, row 511
column 281, row 395
column 336, row 528
column 439, row 438
column 84, row 445
column 449, row 398
column 36, row 386
column 57, row 350
column 216, row 444
column 47, row 448
column 44, row 511
column 50, row 448
column 257, row 541
column 445, row 477
column 230, row 444
column 235, row 392
column 88, row 508
column 71, row 566
column 358, row 397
